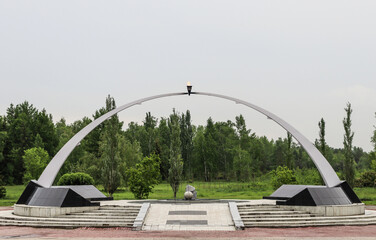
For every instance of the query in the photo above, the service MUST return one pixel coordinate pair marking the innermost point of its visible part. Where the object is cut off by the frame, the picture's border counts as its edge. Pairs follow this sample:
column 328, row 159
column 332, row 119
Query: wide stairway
column 105, row 216
column 273, row 216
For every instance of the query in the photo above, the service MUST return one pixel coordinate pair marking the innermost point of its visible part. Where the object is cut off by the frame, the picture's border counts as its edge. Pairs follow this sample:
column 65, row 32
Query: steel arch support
column 327, row 172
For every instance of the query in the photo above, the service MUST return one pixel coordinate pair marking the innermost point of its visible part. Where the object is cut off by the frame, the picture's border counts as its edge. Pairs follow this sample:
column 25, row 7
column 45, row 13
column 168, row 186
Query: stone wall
column 37, row 211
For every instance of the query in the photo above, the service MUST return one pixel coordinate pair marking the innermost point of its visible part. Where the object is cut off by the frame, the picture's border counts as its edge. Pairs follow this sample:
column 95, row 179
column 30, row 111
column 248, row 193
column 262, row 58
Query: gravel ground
column 342, row 232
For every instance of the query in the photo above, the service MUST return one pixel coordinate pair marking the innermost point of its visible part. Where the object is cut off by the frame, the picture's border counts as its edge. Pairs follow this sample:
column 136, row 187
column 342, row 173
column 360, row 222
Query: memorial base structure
column 61, row 196
column 312, row 195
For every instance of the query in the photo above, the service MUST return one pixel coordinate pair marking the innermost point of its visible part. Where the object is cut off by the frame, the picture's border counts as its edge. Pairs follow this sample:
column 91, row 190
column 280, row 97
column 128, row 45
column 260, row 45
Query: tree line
column 227, row 151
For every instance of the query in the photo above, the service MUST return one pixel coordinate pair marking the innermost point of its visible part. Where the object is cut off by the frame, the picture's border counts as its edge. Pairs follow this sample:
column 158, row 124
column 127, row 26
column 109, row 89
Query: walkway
column 186, row 216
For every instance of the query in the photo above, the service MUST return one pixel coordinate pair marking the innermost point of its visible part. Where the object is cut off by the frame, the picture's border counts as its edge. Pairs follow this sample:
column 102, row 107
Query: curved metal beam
column 327, row 172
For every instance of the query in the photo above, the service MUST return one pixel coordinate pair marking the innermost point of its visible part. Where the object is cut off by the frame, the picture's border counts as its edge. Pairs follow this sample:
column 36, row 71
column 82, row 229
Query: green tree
column 35, row 160
column 227, row 141
column 3, row 136
column 244, row 134
column 144, row 176
column 134, row 132
column 130, row 155
column 164, row 141
column 321, row 143
column 20, row 137
column 242, row 165
column 279, row 153
column 92, row 140
column 150, row 123
column 199, row 157
column 210, row 151
column 38, row 142
column 45, row 128
column 186, row 137
column 349, row 165
column 372, row 155
column 373, row 138
column 289, row 150
column 24, row 123
column 109, row 148
column 176, row 163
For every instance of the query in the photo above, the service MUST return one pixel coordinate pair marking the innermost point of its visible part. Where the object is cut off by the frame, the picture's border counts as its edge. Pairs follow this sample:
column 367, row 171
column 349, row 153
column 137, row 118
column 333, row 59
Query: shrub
column 144, row 176
column 283, row 175
column 3, row 192
column 78, row 178
column 309, row 176
column 366, row 179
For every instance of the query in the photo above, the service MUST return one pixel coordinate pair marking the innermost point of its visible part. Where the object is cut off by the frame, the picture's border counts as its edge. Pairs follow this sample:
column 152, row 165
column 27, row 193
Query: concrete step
column 263, row 209
column 98, row 217
column 309, row 223
column 64, row 224
column 276, row 216
column 71, row 220
column 316, row 219
column 115, row 211
column 105, row 217
column 109, row 207
column 282, row 212
column 279, row 216
column 93, row 214
column 257, row 206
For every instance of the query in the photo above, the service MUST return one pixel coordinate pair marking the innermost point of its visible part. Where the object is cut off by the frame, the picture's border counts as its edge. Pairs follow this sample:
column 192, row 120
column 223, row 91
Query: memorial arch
column 327, row 172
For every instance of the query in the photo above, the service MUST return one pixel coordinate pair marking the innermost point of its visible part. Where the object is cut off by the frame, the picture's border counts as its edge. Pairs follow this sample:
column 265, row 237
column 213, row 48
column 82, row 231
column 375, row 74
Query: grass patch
column 13, row 193
column 367, row 195
column 205, row 190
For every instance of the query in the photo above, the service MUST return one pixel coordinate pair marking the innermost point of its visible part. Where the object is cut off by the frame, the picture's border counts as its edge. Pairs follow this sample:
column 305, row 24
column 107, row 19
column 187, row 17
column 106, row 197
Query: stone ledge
column 139, row 221
column 48, row 212
column 238, row 222
column 331, row 210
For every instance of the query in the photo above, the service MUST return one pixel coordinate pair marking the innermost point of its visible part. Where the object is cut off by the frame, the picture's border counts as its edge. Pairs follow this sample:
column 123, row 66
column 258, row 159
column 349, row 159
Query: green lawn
column 13, row 193
column 214, row 190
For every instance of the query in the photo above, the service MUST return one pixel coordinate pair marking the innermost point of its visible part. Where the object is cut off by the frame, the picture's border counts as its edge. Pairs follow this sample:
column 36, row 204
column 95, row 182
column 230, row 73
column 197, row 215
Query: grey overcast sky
column 301, row 60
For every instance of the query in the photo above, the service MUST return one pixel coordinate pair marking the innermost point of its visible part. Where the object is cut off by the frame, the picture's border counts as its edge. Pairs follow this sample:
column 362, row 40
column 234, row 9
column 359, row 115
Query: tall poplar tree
column 164, row 143
column 186, row 136
column 176, row 163
column 348, row 166
column 288, row 154
column 322, row 142
column 148, row 141
column 110, row 152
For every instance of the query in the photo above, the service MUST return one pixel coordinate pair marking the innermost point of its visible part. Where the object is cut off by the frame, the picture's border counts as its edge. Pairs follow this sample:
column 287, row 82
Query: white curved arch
column 327, row 172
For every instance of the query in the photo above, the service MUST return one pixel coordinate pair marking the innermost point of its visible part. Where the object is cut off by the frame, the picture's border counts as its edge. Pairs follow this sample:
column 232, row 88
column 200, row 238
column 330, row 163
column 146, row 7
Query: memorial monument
column 42, row 193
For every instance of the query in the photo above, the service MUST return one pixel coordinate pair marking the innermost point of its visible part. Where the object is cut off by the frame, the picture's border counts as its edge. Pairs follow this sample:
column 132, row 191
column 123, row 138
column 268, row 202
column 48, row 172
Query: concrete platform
column 219, row 215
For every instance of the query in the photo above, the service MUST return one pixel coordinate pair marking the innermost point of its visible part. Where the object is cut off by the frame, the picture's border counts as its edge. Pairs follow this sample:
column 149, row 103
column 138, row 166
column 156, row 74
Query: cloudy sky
column 301, row 60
